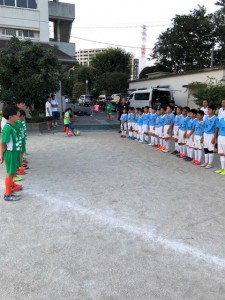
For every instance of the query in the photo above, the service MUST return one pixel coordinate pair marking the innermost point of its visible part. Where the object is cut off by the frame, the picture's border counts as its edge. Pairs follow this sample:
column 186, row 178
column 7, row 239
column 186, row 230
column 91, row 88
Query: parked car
column 116, row 98
column 85, row 100
column 102, row 99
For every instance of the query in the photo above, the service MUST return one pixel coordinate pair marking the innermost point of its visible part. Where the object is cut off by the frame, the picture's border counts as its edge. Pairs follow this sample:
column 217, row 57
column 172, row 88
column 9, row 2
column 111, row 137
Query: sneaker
column 17, row 178
column 208, row 166
column 165, row 150
column 11, row 198
column 175, row 152
column 182, row 155
column 223, row 173
column 145, row 143
column 219, row 171
column 187, row 158
column 17, row 188
column 21, row 173
column 150, row 144
column 203, row 165
column 198, row 163
column 140, row 141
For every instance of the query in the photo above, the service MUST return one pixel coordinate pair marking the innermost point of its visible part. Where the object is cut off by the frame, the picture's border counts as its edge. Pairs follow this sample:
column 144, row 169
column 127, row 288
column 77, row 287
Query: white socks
column 222, row 161
column 199, row 157
column 211, row 156
column 206, row 159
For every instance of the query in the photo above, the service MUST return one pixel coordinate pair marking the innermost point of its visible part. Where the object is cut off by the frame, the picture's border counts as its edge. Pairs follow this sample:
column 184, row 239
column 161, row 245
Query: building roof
column 62, row 56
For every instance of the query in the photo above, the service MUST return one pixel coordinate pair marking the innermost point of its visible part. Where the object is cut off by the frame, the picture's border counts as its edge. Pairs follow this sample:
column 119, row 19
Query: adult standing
column 121, row 106
column 55, row 113
column 48, row 112
column 204, row 108
column 221, row 113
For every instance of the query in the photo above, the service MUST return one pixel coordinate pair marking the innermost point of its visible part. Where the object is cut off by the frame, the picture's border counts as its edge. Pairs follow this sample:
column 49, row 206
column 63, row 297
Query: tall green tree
column 153, row 69
column 29, row 72
column 188, row 44
column 112, row 70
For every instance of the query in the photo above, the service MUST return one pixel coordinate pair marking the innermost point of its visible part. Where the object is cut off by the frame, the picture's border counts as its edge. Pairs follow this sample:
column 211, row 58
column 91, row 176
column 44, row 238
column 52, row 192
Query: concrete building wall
column 177, row 82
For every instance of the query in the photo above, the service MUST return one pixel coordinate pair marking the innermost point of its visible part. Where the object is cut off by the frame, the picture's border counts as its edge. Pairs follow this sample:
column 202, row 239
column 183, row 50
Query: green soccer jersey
column 24, row 135
column 108, row 108
column 10, row 137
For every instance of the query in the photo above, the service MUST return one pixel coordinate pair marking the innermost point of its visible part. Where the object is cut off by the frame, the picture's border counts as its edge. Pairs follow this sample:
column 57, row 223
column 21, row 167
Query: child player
column 175, row 129
column 145, row 125
column 160, row 130
column 140, row 126
column 156, row 128
column 182, row 131
column 132, row 119
column 210, row 135
column 129, row 123
column 190, row 134
column 168, row 127
column 221, row 146
column 10, row 147
column 152, row 118
column 198, row 138
column 123, row 120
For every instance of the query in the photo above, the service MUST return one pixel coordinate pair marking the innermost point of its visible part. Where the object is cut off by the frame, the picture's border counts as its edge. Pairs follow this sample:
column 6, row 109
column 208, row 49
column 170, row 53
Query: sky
column 119, row 22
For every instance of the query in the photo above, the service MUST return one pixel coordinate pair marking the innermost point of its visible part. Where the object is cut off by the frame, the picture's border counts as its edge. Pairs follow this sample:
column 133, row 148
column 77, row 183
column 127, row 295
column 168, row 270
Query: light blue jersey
column 129, row 117
column 191, row 124
column 169, row 119
column 183, row 123
column 221, row 127
column 145, row 118
column 157, row 122
column 123, row 118
column 132, row 117
column 152, row 118
column 140, row 120
column 177, row 120
column 211, row 124
column 136, row 118
column 161, row 120
column 199, row 128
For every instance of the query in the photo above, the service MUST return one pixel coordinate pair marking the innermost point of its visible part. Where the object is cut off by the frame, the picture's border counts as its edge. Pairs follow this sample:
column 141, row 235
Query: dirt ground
column 107, row 218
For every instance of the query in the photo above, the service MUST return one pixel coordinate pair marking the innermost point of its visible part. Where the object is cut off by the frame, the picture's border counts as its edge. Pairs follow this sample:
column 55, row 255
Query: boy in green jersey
column 10, row 147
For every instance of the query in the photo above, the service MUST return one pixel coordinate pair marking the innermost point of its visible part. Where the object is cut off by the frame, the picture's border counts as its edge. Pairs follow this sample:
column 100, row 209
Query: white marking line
column 146, row 234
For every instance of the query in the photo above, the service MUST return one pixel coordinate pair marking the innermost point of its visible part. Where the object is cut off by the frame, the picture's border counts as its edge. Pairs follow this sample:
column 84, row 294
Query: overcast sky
column 91, row 16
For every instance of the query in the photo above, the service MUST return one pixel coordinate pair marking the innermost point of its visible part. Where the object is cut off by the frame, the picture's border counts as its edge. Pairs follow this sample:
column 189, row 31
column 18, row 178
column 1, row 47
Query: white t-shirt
column 205, row 112
column 221, row 113
column 48, row 105
column 54, row 102
column 3, row 122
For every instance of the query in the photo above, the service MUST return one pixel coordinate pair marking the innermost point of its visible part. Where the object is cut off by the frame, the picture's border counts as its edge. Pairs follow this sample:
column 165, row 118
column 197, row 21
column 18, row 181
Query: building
column 85, row 56
column 178, row 82
column 32, row 20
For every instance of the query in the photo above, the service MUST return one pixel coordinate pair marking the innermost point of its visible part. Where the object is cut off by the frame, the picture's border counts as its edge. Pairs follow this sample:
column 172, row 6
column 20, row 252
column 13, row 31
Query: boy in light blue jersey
column 210, row 135
column 136, row 115
column 152, row 118
column 198, row 137
column 140, row 136
column 221, row 146
column 156, row 128
column 132, row 121
column 190, row 135
column 182, row 131
column 123, row 120
column 175, row 129
column 160, row 130
column 146, row 124
column 168, row 127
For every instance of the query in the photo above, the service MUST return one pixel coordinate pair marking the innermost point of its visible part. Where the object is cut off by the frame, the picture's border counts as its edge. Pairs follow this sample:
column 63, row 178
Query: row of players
column 185, row 126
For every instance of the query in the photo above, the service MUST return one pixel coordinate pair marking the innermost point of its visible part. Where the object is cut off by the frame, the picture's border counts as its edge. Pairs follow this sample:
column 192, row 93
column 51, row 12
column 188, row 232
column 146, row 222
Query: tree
column 212, row 90
column 111, row 63
column 188, row 44
column 78, row 89
column 29, row 72
column 153, row 69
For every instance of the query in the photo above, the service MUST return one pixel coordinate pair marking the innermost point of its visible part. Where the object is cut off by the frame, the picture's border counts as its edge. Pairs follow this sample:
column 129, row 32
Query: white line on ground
column 106, row 218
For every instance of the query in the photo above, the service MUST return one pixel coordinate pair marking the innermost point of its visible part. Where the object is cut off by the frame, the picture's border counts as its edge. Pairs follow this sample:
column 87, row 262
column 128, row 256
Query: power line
column 119, row 27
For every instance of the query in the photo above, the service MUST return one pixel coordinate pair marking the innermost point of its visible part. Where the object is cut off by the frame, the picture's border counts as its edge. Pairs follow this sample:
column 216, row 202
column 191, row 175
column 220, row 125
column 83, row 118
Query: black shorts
column 48, row 119
column 66, row 125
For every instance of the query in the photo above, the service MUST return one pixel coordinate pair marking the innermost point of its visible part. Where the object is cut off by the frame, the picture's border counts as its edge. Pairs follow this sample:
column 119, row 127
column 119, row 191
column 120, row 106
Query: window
column 10, row 2
column 141, row 96
column 1, row 2
column 32, row 4
column 22, row 3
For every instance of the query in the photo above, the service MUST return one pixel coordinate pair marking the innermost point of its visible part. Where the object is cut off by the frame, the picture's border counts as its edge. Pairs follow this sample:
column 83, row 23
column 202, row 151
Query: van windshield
column 141, row 96
column 160, row 96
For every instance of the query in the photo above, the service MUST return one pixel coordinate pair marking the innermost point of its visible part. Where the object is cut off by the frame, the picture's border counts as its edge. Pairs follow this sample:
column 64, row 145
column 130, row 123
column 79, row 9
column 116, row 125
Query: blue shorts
column 55, row 115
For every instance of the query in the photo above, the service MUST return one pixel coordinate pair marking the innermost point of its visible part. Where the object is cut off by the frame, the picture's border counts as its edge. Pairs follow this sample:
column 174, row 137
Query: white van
column 142, row 98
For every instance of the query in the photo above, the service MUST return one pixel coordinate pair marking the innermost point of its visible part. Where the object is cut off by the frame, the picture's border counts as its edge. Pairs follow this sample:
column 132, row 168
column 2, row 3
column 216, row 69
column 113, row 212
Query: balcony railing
column 8, row 37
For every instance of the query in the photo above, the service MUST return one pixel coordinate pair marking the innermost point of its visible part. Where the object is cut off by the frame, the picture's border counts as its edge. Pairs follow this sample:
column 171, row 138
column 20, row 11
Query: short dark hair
column 9, row 111
column 170, row 106
column 147, row 107
column 18, row 101
column 69, row 108
column 212, row 106
column 187, row 108
column 201, row 112
column 194, row 111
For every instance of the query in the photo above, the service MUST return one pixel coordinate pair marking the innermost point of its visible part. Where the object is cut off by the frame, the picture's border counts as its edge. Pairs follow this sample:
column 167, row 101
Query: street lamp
column 86, row 86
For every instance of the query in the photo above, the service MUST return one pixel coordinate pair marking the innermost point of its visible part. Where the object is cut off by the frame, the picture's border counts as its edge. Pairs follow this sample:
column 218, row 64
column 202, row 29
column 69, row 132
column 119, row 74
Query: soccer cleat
column 197, row 162
column 175, row 152
column 165, row 150
column 21, row 173
column 150, row 144
column 182, row 155
column 222, row 173
column 187, row 158
column 17, row 178
column 140, row 141
column 208, row 166
column 17, row 189
column 203, row 165
column 145, row 143
column 219, row 171
column 11, row 198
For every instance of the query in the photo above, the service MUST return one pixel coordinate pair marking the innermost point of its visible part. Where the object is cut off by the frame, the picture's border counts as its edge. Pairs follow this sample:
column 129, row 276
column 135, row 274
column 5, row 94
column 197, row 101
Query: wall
column 177, row 82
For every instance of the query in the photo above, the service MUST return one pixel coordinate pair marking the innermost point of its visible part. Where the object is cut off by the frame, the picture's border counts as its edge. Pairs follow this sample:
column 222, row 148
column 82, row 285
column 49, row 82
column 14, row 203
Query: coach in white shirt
column 48, row 113
column 55, row 113
column 205, row 108
column 221, row 113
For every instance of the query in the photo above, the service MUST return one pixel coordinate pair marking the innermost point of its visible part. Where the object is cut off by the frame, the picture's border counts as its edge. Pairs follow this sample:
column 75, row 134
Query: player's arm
column 215, row 136
column 2, row 150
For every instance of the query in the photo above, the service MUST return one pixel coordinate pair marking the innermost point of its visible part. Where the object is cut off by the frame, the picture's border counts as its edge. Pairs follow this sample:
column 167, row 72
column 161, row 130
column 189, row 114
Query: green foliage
column 78, row 89
column 153, row 69
column 212, row 90
column 187, row 45
column 28, row 72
